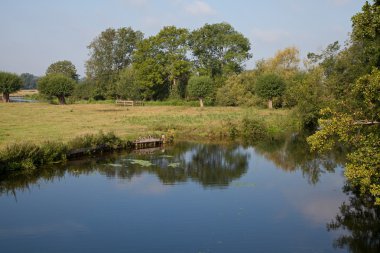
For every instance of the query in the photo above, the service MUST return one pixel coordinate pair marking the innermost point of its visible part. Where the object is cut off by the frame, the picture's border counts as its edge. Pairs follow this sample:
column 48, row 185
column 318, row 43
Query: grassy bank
column 25, row 157
column 44, row 122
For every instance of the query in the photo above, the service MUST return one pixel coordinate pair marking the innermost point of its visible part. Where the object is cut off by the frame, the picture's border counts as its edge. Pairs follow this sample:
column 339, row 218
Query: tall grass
column 27, row 156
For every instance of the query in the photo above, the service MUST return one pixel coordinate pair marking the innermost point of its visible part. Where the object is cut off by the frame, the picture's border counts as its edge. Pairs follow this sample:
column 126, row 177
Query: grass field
column 39, row 122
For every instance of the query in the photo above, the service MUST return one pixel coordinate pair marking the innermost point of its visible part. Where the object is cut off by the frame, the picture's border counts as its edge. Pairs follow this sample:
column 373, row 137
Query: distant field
column 25, row 93
column 38, row 122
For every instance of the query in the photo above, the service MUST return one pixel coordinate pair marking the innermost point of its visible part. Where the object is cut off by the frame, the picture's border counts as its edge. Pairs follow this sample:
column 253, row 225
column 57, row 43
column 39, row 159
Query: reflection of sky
column 146, row 184
column 266, row 210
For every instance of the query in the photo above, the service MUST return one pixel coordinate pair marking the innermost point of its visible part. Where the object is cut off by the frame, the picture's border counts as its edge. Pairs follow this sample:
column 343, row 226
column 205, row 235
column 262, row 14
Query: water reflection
column 361, row 219
column 211, row 165
column 293, row 154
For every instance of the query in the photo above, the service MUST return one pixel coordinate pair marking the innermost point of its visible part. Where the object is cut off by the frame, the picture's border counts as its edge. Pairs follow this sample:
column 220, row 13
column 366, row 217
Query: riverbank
column 40, row 122
column 36, row 134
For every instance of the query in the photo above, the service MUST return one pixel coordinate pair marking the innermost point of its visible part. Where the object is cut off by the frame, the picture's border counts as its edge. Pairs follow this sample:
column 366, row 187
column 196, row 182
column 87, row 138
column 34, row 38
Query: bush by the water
column 253, row 130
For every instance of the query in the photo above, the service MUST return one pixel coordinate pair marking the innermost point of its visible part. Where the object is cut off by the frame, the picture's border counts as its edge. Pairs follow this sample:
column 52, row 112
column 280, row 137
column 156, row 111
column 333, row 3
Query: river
column 189, row 197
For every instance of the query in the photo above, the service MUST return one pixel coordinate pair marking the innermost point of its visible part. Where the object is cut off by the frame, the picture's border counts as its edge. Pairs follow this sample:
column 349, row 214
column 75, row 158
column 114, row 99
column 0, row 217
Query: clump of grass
column 106, row 140
column 28, row 156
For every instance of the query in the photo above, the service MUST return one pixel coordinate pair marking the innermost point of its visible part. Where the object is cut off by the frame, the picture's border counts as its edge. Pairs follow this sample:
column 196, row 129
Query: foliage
column 285, row 63
column 127, row 86
column 366, row 96
column 253, row 130
column 235, row 92
column 110, row 52
column 310, row 96
column 105, row 140
column 366, row 31
column 219, row 50
column 9, row 83
column 200, row 87
column 27, row 156
column 57, row 85
column 362, row 169
column 84, row 90
column 161, row 62
column 63, row 67
column 29, row 81
column 269, row 86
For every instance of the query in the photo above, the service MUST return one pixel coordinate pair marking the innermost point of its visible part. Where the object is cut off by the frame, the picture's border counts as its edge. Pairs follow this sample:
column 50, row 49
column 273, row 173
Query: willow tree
column 269, row 86
column 200, row 87
column 56, row 85
column 9, row 83
column 66, row 68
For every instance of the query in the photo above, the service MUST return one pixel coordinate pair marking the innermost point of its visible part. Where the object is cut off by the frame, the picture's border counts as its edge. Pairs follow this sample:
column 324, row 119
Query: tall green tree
column 218, row 49
column 57, row 85
column 110, row 52
column 356, row 125
column 366, row 31
column 127, row 86
column 162, row 63
column 269, row 86
column 9, row 83
column 66, row 68
column 354, row 119
column 200, row 87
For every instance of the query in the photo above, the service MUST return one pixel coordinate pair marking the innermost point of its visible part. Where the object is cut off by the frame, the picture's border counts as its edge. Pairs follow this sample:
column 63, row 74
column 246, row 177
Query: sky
column 37, row 33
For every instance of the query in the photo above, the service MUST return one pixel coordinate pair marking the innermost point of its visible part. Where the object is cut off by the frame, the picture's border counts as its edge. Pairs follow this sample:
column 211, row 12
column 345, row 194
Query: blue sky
column 36, row 33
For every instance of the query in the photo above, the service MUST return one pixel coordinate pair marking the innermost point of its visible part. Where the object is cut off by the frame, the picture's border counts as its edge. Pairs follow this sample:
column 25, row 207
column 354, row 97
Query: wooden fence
column 129, row 102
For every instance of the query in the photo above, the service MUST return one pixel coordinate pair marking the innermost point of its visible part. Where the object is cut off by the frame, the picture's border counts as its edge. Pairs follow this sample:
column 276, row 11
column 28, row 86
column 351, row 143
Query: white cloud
column 199, row 8
column 269, row 36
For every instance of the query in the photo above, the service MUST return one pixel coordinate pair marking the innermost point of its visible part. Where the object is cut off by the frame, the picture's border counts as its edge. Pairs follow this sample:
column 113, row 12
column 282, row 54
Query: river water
column 188, row 197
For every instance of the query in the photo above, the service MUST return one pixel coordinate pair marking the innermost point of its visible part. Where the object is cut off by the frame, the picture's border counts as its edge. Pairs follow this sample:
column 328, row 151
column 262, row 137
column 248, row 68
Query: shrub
column 253, row 130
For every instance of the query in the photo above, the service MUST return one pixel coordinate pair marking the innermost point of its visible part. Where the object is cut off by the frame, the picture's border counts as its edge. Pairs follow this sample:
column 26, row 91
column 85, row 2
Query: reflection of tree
column 216, row 165
column 210, row 165
column 293, row 153
column 362, row 219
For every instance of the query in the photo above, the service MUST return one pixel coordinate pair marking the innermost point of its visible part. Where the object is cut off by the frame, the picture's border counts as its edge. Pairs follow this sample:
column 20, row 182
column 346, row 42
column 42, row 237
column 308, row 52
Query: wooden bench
column 129, row 102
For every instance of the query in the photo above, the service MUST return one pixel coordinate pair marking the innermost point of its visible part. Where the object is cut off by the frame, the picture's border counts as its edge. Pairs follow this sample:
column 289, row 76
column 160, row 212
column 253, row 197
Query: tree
column 356, row 125
column 162, row 63
column 9, row 83
column 127, row 86
column 57, row 85
column 285, row 63
column 200, row 87
column 29, row 81
column 269, row 86
column 353, row 119
column 111, row 52
column 63, row 67
column 235, row 92
column 310, row 95
column 219, row 50
column 366, row 31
